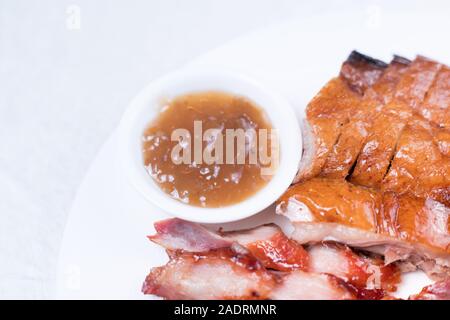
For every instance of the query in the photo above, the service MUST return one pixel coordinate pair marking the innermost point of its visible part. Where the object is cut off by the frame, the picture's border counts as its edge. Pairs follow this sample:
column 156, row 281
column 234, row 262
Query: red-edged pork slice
column 278, row 252
column 224, row 274
column 300, row 285
column 177, row 234
column 359, row 270
column 217, row 274
column 235, row 272
column 436, row 291
column 275, row 251
column 267, row 243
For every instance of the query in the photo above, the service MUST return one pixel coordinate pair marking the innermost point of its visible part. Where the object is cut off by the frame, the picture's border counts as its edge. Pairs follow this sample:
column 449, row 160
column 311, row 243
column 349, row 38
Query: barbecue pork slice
column 224, row 273
column 436, row 291
column 219, row 271
column 365, row 275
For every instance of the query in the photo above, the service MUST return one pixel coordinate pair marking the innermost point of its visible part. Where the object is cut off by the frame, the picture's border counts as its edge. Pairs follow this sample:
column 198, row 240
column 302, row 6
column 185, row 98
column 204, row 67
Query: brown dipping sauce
column 216, row 184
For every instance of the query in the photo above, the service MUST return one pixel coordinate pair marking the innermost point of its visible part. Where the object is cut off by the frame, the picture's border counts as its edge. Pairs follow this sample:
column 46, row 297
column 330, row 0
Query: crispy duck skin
column 361, row 71
column 384, row 89
column 442, row 138
column 418, row 166
column 436, row 107
column 397, row 202
column 400, row 227
column 379, row 147
column 326, row 114
column 330, row 110
column 366, row 277
column 353, row 134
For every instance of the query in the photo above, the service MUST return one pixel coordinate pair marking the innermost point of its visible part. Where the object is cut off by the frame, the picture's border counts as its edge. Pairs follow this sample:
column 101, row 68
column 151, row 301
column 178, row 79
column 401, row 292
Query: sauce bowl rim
column 144, row 108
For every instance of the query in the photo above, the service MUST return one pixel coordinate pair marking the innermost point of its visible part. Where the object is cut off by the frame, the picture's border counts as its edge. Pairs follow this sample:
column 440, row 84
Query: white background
column 64, row 85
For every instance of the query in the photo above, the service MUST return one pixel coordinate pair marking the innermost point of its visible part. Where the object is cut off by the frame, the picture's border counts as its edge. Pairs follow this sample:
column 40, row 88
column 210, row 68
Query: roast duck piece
column 376, row 166
column 371, row 200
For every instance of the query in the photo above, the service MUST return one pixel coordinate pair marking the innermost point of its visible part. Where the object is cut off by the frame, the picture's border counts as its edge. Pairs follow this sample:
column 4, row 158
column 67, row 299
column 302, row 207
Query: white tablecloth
column 68, row 70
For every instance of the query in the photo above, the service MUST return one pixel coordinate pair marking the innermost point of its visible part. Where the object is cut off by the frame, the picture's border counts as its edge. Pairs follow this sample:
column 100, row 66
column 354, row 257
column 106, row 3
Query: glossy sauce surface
column 201, row 184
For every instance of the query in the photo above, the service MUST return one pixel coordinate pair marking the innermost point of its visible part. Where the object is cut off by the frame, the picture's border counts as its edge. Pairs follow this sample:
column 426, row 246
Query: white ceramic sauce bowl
column 146, row 106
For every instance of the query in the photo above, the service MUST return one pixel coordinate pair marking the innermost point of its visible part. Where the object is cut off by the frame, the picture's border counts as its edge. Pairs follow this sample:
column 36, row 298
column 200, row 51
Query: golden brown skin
column 442, row 138
column 384, row 89
column 337, row 201
column 333, row 107
column 326, row 114
column 361, row 72
column 401, row 217
column 353, row 134
column 397, row 198
column 436, row 107
column 379, row 147
column 418, row 166
column 419, row 221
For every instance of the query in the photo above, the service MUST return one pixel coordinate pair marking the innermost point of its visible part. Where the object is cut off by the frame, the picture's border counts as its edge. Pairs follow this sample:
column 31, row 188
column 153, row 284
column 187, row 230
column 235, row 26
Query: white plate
column 105, row 253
